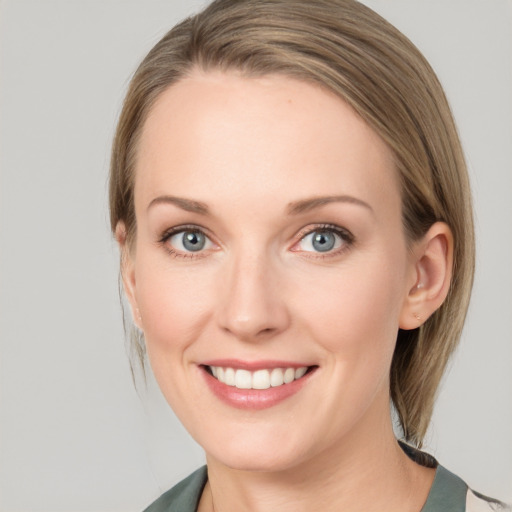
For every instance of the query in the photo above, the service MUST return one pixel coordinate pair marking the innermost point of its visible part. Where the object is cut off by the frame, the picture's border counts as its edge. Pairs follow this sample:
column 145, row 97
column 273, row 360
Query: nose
column 251, row 305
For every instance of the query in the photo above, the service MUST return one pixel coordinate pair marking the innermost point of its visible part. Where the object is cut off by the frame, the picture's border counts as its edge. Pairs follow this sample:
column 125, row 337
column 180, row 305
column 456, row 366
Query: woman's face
column 269, row 243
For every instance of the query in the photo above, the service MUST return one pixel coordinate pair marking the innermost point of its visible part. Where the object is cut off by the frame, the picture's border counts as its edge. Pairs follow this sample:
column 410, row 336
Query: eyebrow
column 293, row 208
column 305, row 205
column 185, row 204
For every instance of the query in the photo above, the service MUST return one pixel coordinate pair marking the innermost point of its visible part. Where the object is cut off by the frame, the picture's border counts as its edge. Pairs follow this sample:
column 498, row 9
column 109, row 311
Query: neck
column 364, row 472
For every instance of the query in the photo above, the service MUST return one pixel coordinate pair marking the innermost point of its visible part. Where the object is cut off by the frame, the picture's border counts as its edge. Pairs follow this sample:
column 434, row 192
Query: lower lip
column 255, row 399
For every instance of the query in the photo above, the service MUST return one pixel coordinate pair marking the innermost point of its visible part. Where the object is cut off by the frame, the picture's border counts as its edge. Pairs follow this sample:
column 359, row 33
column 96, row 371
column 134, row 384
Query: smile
column 255, row 386
column 259, row 379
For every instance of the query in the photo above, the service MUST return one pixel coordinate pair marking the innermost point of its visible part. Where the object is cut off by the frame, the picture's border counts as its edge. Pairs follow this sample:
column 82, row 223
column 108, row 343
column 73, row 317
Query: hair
column 350, row 50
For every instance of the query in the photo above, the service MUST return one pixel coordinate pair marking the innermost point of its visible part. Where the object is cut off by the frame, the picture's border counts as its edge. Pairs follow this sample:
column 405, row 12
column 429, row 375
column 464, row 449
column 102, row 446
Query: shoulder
column 449, row 493
column 476, row 502
column 184, row 496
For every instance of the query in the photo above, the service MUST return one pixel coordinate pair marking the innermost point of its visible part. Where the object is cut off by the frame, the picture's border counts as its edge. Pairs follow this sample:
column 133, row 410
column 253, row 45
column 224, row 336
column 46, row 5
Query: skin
column 247, row 149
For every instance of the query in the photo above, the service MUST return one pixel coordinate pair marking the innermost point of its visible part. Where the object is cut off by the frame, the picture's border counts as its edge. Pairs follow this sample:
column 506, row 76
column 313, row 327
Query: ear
column 431, row 273
column 128, row 272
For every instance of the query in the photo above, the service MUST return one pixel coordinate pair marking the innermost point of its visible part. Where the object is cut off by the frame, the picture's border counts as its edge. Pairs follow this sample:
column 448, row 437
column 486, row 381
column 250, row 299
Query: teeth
column 299, row 372
column 260, row 379
column 289, row 375
column 276, row 377
column 229, row 376
column 243, row 379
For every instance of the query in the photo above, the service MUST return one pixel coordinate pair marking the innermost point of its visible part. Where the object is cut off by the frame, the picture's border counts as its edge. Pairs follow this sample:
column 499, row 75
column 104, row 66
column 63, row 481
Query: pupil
column 323, row 241
column 193, row 241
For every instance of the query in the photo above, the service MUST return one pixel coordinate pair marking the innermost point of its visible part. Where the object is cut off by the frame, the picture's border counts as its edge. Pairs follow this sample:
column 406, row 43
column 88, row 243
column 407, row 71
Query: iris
column 193, row 241
column 323, row 241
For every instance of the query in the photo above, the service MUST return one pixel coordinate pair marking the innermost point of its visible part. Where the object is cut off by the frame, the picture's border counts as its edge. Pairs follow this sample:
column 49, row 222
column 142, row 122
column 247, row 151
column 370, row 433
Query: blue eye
column 189, row 240
column 322, row 240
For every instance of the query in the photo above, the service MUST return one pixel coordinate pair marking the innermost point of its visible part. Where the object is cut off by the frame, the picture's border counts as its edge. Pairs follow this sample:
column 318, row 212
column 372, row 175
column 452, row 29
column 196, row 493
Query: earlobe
column 433, row 261
column 128, row 272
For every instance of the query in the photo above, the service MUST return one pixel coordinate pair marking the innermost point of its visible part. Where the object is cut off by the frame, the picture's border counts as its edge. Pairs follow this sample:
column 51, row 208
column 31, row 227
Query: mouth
column 260, row 379
column 255, row 385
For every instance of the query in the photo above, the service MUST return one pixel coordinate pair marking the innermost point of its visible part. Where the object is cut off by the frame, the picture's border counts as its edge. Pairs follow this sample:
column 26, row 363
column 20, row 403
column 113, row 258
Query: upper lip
column 252, row 366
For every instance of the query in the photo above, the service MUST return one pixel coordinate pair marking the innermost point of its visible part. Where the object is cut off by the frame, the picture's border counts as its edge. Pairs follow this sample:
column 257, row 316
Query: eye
column 185, row 241
column 320, row 241
column 324, row 240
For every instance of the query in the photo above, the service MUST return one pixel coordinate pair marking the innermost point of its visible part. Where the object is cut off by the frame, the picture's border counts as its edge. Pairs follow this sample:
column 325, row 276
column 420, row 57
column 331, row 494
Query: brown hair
column 350, row 50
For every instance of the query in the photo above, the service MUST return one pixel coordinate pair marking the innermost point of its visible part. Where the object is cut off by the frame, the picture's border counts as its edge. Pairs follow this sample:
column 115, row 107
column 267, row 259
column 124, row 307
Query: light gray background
column 75, row 436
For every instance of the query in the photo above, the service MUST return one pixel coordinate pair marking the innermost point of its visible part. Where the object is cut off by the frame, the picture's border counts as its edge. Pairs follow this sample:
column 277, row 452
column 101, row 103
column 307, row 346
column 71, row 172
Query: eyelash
column 167, row 235
column 346, row 237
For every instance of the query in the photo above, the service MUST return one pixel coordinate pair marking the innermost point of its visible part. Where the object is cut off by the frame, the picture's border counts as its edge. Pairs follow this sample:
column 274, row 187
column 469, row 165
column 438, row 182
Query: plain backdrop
column 75, row 435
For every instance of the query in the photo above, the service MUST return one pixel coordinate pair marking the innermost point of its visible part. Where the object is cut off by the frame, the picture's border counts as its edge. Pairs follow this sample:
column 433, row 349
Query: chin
column 257, row 453
column 257, row 462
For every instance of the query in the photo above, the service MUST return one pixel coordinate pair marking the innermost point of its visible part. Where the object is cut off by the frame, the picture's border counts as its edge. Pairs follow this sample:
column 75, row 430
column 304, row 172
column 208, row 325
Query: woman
column 294, row 215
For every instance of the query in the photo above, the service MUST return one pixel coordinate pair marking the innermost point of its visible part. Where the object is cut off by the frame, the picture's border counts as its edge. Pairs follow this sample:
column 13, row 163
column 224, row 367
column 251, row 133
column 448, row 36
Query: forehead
column 219, row 133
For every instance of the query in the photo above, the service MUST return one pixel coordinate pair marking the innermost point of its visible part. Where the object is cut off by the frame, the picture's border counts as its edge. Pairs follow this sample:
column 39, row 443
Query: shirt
column 448, row 492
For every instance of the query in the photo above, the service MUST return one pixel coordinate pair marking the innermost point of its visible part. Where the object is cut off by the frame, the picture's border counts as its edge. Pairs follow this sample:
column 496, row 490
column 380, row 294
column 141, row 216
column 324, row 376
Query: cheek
column 355, row 311
column 354, row 316
column 173, row 304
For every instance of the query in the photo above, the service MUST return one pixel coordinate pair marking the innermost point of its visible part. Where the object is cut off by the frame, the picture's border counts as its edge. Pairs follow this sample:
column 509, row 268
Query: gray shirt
column 448, row 492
